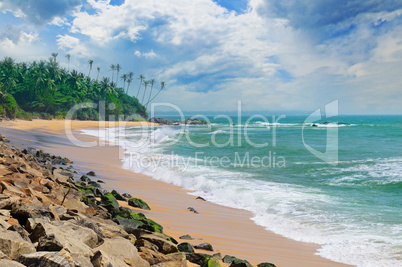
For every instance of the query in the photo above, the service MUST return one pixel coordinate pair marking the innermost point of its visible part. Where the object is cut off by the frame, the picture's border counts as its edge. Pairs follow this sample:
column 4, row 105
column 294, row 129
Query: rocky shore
column 52, row 215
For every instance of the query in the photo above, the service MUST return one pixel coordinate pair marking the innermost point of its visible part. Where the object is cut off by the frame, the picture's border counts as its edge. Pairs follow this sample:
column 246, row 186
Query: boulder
column 173, row 260
column 32, row 222
column 132, row 221
column 110, row 202
column 266, row 264
column 210, row 262
column 197, row 258
column 126, row 195
column 62, row 176
column 118, row 252
column 118, row 196
column 7, row 201
column 186, row 237
column 49, row 243
column 91, row 173
column 10, row 263
column 48, row 259
column 204, row 246
column 24, row 211
column 164, row 246
column 21, row 231
column 185, row 247
column 138, row 203
column 152, row 256
column 235, row 262
column 13, row 245
column 85, row 179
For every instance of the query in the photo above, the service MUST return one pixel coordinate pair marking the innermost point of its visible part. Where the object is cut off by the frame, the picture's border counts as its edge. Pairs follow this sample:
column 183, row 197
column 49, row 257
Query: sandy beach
column 230, row 231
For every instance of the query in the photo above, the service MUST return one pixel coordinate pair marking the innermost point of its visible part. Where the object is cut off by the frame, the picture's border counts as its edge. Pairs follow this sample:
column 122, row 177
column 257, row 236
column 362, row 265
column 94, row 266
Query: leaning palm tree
column 145, row 85
column 68, row 56
column 118, row 68
column 152, row 81
column 124, row 77
column 112, row 68
column 141, row 77
column 90, row 62
column 130, row 77
column 163, row 85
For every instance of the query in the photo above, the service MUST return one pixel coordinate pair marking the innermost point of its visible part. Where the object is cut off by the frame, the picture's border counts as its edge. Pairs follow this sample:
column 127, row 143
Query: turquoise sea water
column 351, row 206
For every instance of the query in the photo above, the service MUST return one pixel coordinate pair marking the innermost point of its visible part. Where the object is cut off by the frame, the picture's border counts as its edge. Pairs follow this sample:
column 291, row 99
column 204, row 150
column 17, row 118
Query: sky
column 268, row 54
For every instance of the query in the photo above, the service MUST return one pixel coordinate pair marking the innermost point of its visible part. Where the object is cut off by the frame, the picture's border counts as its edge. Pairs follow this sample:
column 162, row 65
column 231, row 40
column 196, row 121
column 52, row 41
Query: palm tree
column 90, row 61
column 152, row 81
column 98, row 68
column 146, row 85
column 141, row 77
column 118, row 68
column 54, row 55
column 124, row 77
column 163, row 85
column 68, row 56
column 113, row 68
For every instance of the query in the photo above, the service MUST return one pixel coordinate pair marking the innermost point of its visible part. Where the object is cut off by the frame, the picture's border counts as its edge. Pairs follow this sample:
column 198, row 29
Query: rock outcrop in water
column 175, row 123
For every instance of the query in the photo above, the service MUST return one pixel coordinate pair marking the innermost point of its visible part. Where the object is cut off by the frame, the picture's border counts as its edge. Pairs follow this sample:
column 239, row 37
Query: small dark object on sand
column 192, row 210
column 201, row 198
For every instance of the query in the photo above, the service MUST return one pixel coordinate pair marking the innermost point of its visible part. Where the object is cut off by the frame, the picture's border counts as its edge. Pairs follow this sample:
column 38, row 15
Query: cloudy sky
column 271, row 55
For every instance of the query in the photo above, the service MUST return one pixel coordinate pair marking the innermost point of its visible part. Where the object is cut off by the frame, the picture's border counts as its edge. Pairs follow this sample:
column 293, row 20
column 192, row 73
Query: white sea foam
column 293, row 211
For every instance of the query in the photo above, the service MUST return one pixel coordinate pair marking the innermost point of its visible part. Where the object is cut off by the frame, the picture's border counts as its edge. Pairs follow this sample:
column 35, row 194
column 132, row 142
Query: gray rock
column 48, row 259
column 21, row 231
column 185, row 247
column 186, row 237
column 22, row 212
column 49, row 243
column 164, row 246
column 62, row 176
column 32, row 222
column 13, row 245
column 4, row 225
column 266, row 264
column 118, row 252
column 204, row 246
column 6, row 202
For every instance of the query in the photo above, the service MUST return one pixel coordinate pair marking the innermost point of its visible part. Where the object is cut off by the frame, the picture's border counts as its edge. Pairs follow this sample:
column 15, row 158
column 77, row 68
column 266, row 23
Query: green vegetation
column 45, row 90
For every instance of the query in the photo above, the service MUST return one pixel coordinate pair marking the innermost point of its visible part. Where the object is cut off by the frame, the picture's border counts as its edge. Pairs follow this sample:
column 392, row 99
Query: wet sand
column 230, row 231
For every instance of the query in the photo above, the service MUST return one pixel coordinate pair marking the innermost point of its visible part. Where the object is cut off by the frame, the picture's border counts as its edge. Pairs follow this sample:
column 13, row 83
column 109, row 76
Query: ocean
column 336, row 182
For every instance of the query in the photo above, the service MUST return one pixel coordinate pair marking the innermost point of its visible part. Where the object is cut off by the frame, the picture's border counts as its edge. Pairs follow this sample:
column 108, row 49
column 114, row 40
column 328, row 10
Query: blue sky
column 271, row 55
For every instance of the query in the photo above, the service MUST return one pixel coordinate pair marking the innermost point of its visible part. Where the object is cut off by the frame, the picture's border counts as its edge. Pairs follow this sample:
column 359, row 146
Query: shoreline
column 215, row 224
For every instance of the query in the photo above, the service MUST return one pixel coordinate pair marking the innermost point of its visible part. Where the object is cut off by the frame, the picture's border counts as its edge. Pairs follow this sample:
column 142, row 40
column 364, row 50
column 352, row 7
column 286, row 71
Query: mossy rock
column 109, row 200
column 235, row 261
column 138, row 203
column 118, row 196
column 266, row 264
column 185, row 247
column 132, row 221
column 211, row 263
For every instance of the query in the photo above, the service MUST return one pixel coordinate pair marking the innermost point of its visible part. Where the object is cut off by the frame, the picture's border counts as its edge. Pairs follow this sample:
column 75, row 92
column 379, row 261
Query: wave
column 218, row 132
column 294, row 211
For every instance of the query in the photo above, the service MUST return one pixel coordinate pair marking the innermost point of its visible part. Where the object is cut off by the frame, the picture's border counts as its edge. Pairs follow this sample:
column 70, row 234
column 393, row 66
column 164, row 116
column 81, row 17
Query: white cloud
column 149, row 55
column 73, row 45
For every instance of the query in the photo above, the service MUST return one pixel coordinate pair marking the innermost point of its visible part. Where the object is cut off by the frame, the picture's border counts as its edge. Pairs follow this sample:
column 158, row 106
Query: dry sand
column 230, row 231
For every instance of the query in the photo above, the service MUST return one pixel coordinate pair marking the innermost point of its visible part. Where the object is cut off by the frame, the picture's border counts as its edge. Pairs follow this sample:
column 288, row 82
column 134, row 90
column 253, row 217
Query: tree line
column 43, row 89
